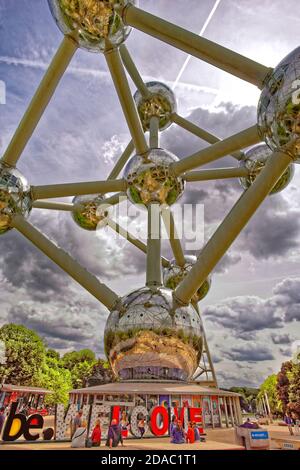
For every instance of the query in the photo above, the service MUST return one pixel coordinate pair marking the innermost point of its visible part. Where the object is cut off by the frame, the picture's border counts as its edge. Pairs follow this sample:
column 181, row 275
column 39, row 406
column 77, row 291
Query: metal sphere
column 15, row 196
column 174, row 274
column 160, row 103
column 255, row 160
column 147, row 335
column 279, row 106
column 150, row 180
column 94, row 21
column 89, row 212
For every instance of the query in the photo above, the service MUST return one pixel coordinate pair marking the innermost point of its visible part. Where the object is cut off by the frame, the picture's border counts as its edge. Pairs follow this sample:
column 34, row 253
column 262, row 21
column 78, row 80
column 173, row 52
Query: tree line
column 30, row 362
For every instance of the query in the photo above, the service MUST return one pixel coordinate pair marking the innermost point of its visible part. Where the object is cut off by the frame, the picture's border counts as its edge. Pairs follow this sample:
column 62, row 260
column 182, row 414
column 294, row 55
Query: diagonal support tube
column 133, row 72
column 201, row 133
column 243, row 139
column 233, row 224
column 40, row 100
column 66, row 262
column 122, row 161
column 197, row 46
column 216, row 174
column 76, row 189
column 133, row 240
column 56, row 206
column 154, row 274
column 175, row 243
column 119, row 77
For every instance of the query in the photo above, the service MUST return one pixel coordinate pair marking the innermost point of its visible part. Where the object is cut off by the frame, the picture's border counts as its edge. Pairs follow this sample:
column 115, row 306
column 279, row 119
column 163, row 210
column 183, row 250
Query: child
column 190, row 435
column 96, row 434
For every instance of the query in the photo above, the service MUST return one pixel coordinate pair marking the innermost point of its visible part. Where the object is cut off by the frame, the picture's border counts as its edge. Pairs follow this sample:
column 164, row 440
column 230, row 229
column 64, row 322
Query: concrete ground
column 217, row 439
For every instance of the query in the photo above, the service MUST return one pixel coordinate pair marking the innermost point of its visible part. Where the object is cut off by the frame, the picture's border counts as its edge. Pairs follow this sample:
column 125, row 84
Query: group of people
column 80, row 438
column 250, row 425
column 180, row 436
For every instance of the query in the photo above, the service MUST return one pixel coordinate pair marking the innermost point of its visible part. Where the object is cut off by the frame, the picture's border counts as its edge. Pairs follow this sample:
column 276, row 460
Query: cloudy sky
column 252, row 312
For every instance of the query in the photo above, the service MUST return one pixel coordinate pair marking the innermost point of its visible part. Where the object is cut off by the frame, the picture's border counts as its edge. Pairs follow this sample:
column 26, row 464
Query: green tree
column 283, row 384
column 81, row 373
column 294, row 389
column 70, row 359
column 80, row 364
column 56, row 378
column 52, row 353
column 25, row 354
column 270, row 387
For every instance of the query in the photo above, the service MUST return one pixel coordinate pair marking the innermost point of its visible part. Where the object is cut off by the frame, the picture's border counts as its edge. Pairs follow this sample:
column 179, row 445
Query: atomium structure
column 156, row 331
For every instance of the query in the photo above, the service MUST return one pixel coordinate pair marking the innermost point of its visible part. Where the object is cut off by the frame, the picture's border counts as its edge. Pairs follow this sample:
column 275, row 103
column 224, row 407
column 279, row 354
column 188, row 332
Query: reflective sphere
column 160, row 103
column 174, row 274
column 279, row 106
column 146, row 332
column 255, row 160
column 94, row 21
column 89, row 213
column 14, row 196
column 149, row 178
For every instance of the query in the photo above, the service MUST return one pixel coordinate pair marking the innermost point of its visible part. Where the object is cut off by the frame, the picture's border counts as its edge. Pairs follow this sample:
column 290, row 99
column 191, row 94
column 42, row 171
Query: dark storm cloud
column 249, row 353
column 72, row 323
column 244, row 314
column 287, row 352
column 284, row 338
column 228, row 260
column 287, row 295
column 273, row 231
column 226, row 120
column 244, row 377
column 24, row 267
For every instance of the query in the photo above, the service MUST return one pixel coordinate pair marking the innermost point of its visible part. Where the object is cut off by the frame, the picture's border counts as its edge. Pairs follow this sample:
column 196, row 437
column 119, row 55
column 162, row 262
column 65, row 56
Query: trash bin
column 253, row 439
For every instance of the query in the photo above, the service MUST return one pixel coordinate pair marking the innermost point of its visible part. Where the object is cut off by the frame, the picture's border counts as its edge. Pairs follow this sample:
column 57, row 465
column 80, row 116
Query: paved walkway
column 131, row 444
column 217, row 439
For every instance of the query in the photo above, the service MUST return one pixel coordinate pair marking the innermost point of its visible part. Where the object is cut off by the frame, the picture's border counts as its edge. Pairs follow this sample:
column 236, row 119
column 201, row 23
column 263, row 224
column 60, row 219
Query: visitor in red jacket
column 96, row 434
column 190, row 435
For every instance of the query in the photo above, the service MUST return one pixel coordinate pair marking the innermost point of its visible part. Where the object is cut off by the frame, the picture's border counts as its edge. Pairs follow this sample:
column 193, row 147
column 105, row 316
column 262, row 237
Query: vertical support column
column 211, row 412
column 231, row 412
column 154, row 274
column 226, row 411
column 238, row 411
column 80, row 401
column 220, row 412
column 236, row 414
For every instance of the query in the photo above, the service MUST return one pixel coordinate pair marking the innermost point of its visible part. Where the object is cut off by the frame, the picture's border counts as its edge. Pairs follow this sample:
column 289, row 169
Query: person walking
column 141, row 426
column 288, row 420
column 96, row 434
column 76, row 423
column 124, row 425
column 114, row 436
column 80, row 436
